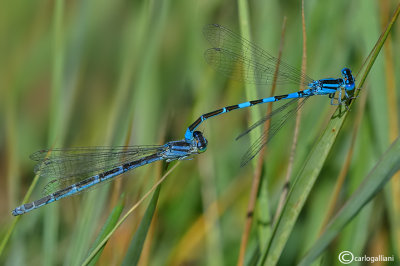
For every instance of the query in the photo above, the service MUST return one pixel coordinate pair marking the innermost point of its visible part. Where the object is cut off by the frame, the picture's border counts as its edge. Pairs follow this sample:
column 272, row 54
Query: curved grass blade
column 104, row 241
column 135, row 248
column 305, row 180
column 10, row 230
column 372, row 185
column 108, row 225
column 300, row 190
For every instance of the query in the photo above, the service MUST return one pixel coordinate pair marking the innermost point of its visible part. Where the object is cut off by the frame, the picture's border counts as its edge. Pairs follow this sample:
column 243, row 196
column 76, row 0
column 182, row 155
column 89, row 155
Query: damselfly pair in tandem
column 74, row 170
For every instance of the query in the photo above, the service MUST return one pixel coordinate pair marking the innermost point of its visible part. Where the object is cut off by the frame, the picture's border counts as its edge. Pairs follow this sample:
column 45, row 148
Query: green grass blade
column 301, row 188
column 379, row 45
column 373, row 184
column 135, row 248
column 251, row 89
column 133, row 93
column 309, row 173
column 262, row 203
column 105, row 239
column 56, row 133
column 108, row 225
column 16, row 219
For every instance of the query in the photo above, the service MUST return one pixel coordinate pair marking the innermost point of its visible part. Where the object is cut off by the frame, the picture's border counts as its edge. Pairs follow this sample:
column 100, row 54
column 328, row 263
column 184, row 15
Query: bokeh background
column 97, row 73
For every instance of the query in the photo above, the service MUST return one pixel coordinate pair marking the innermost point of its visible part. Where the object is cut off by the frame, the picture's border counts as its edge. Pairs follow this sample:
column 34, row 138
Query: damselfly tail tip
column 15, row 212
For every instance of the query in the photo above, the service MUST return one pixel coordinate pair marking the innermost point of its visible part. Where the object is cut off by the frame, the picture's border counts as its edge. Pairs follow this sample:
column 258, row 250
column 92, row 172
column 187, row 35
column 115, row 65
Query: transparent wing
column 286, row 111
column 64, row 167
column 240, row 59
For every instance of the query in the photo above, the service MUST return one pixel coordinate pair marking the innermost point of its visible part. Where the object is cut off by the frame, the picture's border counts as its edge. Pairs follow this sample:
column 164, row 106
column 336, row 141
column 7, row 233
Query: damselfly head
column 200, row 140
column 348, row 79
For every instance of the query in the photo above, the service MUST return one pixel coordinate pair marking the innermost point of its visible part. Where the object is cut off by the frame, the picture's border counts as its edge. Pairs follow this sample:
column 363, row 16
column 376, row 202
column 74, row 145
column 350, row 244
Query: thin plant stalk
column 286, row 186
column 118, row 224
column 258, row 171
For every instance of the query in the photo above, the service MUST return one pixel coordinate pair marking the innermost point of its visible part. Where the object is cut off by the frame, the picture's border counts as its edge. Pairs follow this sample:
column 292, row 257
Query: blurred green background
column 97, row 73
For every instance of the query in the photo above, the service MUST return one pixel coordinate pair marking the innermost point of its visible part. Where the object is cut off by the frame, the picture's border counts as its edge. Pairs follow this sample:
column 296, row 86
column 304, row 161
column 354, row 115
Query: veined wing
column 240, row 59
column 64, row 167
column 287, row 112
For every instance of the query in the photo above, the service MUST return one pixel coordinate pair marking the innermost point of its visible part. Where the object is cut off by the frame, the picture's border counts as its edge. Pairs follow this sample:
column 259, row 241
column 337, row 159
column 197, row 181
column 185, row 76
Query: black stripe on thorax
column 183, row 148
column 332, row 81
